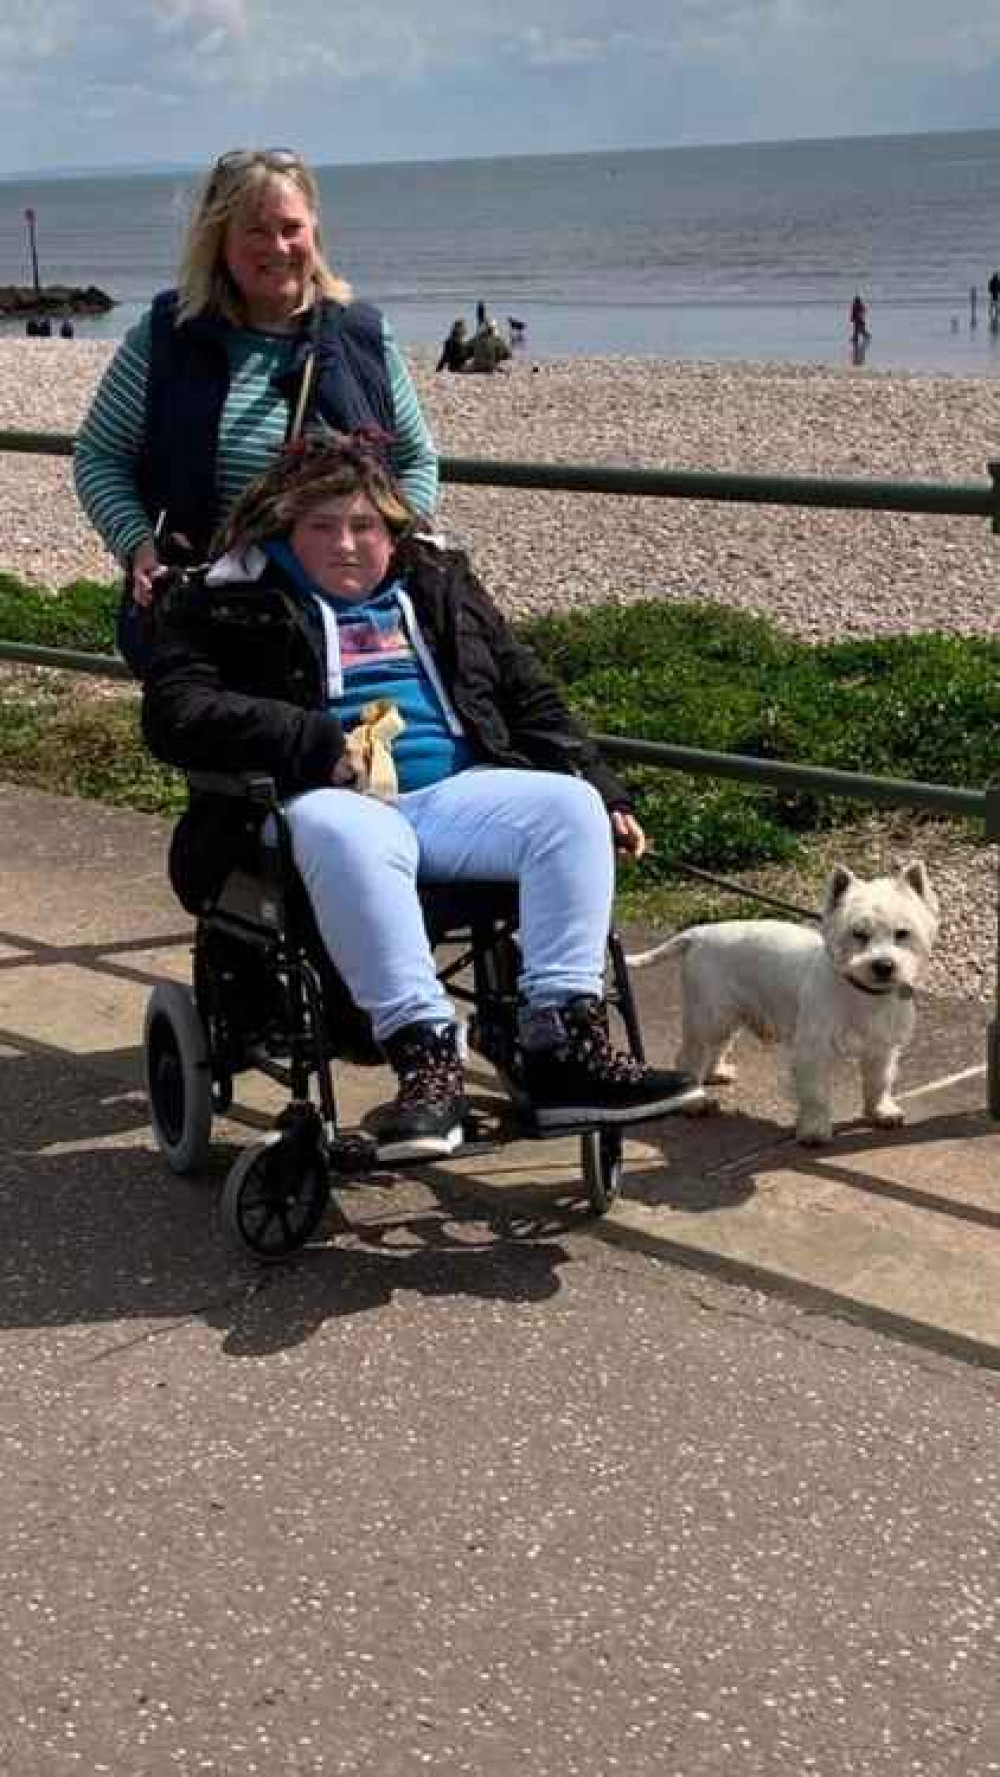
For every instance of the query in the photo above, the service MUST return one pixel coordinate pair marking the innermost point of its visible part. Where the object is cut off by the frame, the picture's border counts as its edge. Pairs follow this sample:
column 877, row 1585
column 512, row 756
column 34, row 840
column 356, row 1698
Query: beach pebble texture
column 821, row 575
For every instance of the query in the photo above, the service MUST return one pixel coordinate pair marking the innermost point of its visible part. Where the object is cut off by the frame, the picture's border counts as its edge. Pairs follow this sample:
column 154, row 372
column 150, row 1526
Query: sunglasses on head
column 239, row 159
column 245, row 157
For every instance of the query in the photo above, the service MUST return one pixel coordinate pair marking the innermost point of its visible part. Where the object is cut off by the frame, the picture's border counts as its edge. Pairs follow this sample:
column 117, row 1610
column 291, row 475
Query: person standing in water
column 859, row 323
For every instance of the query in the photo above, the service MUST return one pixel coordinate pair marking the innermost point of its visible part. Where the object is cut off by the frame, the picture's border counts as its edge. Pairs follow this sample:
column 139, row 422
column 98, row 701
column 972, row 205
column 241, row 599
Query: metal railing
column 968, row 499
column 856, row 493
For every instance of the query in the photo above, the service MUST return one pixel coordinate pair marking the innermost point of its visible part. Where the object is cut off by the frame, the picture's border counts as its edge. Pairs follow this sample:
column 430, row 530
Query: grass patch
column 60, row 736
column 81, row 615
column 924, row 707
column 875, row 844
column 919, row 707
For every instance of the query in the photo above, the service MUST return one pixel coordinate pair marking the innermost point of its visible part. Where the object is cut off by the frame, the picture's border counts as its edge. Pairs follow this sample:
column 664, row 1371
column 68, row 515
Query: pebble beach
column 819, row 575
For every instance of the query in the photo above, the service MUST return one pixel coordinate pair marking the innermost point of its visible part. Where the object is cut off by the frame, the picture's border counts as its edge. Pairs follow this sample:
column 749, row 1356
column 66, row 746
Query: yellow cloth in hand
column 369, row 748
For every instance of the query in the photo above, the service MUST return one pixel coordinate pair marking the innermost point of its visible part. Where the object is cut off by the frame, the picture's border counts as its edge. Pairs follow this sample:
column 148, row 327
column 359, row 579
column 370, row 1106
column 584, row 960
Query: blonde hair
column 232, row 192
column 330, row 466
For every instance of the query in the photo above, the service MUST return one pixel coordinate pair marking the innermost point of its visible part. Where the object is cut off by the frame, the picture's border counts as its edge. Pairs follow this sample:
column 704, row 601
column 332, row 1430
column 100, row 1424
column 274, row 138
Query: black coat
column 237, row 682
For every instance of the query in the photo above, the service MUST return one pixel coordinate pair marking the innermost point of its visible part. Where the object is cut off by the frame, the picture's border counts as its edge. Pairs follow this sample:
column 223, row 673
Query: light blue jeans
column 359, row 860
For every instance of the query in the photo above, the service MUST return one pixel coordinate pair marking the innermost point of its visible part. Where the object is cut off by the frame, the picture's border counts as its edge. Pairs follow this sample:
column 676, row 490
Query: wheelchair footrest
column 553, row 1122
column 351, row 1154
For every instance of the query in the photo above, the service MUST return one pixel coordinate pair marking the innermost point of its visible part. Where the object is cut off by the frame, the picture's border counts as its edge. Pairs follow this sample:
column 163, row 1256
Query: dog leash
column 747, row 894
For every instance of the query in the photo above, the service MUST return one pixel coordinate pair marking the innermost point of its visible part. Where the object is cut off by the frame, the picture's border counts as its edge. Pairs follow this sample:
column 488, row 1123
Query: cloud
column 544, row 48
column 382, row 78
column 861, row 35
column 230, row 17
column 260, row 40
column 31, row 35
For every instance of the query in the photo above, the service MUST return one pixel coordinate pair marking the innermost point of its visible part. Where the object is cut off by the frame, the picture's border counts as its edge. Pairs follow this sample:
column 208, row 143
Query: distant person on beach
column 65, row 330
column 859, row 324
column 260, row 336
column 993, row 288
column 457, row 348
column 489, row 349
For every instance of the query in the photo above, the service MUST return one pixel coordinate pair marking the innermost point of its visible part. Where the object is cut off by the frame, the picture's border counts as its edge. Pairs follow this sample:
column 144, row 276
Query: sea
column 739, row 252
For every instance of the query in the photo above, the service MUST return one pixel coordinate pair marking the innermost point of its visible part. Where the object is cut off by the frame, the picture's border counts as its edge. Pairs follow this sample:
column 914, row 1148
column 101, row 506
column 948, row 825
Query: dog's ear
column 838, row 885
column 914, row 876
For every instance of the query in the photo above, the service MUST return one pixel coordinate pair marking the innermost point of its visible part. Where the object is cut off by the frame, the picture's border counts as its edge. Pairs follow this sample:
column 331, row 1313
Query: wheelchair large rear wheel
column 275, row 1197
column 602, row 1165
column 178, row 1077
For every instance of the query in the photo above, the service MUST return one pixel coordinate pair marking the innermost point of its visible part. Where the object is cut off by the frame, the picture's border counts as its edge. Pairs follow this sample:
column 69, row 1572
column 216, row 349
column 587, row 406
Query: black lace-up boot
column 426, row 1116
column 574, row 1079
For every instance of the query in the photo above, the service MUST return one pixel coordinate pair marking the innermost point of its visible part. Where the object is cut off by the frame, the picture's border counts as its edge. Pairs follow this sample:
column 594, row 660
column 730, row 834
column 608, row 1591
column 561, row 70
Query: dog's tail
column 641, row 959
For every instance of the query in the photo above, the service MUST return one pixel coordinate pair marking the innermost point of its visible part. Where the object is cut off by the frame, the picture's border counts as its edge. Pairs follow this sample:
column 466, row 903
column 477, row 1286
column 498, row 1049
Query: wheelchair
column 265, row 997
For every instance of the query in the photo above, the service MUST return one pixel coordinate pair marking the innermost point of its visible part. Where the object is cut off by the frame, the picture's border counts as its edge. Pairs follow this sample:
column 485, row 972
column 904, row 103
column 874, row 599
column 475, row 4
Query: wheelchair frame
column 278, row 1189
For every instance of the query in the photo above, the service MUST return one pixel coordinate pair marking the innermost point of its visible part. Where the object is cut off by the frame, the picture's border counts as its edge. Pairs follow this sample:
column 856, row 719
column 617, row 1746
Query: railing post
column 993, row 832
column 993, row 1037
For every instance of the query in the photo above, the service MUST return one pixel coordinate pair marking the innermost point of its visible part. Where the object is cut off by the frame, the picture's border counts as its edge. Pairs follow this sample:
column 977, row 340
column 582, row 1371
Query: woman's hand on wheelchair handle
column 629, row 836
column 145, row 567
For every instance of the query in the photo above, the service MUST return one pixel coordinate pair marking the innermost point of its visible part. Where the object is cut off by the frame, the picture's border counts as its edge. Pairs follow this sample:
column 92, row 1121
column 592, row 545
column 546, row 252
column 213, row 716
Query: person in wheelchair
column 323, row 600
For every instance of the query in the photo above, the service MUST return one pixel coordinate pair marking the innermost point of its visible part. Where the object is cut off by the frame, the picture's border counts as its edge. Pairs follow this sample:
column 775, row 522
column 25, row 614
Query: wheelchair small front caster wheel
column 178, row 1077
column 601, row 1160
column 275, row 1197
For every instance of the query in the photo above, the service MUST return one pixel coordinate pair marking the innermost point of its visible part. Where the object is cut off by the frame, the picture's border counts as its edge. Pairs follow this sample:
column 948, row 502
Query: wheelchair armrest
column 242, row 786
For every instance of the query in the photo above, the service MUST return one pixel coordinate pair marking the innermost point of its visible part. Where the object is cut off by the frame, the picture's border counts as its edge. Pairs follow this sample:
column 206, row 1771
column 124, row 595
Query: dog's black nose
column 883, row 969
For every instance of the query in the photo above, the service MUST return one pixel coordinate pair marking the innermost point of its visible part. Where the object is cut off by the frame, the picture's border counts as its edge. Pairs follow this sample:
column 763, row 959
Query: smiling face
column 344, row 545
column 270, row 251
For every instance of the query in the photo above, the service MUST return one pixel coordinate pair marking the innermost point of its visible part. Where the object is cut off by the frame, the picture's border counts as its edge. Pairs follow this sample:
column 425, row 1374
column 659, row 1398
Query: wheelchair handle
column 242, row 786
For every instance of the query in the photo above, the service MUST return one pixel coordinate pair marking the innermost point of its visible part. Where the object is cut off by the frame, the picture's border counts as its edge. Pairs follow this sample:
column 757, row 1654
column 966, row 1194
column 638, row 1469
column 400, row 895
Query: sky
column 87, row 83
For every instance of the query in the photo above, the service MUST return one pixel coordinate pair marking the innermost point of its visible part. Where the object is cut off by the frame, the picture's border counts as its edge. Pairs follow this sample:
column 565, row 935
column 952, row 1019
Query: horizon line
column 167, row 169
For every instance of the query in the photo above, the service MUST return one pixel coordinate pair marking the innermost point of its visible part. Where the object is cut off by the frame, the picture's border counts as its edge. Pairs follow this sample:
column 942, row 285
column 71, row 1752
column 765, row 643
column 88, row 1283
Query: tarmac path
column 467, row 1492
column 474, row 1485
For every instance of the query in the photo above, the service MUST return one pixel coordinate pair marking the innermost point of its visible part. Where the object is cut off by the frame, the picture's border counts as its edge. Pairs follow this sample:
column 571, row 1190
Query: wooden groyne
column 54, row 299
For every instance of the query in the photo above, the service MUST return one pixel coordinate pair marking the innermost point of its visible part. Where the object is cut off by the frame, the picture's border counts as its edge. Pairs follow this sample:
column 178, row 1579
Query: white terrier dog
column 848, row 991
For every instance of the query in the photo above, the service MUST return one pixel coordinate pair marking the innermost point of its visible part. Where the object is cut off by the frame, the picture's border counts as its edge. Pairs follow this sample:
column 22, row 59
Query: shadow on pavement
column 959, row 1126
column 711, row 1161
column 96, row 1230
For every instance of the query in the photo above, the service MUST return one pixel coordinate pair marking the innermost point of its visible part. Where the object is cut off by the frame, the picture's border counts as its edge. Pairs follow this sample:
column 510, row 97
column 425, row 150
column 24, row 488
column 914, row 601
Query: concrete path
column 477, row 1484
column 901, row 1228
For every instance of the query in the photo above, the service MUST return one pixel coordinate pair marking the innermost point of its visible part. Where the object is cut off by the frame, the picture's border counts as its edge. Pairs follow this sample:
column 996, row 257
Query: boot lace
column 589, row 1046
column 429, row 1072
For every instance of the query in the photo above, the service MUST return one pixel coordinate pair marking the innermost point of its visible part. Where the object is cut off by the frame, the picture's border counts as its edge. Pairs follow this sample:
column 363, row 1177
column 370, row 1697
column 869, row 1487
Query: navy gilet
column 186, row 390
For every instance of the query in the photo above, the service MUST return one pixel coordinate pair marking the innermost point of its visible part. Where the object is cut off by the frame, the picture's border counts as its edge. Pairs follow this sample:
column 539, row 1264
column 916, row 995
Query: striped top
column 251, row 432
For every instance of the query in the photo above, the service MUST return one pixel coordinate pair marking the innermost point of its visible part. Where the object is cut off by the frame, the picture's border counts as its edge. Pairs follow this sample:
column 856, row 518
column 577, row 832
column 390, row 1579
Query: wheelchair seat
column 254, row 914
column 450, row 908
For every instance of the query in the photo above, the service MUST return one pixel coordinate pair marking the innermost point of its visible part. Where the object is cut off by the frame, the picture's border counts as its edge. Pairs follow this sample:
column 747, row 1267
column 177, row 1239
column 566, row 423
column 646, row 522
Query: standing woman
column 207, row 387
